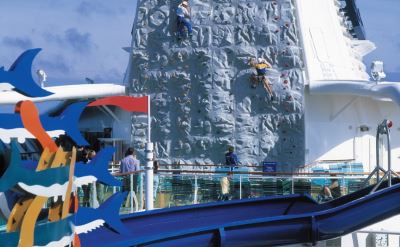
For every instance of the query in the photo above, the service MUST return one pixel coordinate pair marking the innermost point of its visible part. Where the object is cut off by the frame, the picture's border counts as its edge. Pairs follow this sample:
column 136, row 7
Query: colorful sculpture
column 26, row 186
column 11, row 125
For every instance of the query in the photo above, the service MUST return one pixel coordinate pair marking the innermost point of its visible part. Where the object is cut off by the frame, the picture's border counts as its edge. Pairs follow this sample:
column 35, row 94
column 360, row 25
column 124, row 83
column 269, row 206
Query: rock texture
column 201, row 96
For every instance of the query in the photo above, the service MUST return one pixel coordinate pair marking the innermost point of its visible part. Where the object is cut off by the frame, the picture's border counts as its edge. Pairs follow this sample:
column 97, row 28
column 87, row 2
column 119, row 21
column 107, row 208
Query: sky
column 79, row 38
column 381, row 20
column 83, row 38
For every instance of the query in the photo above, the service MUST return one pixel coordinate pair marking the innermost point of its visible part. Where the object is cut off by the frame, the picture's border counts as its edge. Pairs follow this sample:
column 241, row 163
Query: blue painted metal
column 268, row 221
column 98, row 168
column 44, row 233
column 108, row 211
column 20, row 77
column 67, row 121
column 15, row 173
column 269, row 166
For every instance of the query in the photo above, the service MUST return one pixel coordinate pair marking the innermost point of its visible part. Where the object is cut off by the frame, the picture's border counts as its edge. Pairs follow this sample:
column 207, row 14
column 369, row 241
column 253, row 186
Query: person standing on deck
column 231, row 158
column 129, row 164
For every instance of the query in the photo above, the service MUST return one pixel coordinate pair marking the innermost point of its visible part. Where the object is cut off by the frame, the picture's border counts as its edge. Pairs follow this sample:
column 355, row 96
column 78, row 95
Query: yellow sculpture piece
column 67, row 201
column 17, row 214
column 45, row 160
column 29, row 113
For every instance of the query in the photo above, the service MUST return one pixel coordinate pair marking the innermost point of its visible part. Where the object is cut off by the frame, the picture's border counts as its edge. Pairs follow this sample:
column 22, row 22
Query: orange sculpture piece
column 31, row 121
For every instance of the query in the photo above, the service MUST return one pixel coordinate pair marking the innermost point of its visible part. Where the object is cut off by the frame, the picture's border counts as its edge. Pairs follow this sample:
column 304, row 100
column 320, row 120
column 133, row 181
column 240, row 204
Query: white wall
column 333, row 128
column 328, row 48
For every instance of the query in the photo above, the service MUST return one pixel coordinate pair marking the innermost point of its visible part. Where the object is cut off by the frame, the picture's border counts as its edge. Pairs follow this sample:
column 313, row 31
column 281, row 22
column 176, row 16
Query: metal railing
column 197, row 187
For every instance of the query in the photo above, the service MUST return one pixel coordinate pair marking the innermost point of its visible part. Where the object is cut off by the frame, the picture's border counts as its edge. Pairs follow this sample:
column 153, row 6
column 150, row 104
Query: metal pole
column 131, row 191
column 95, row 202
column 292, row 185
column 149, row 162
column 240, row 187
column 377, row 153
column 342, row 186
column 141, row 176
column 195, row 190
column 389, row 155
column 148, row 119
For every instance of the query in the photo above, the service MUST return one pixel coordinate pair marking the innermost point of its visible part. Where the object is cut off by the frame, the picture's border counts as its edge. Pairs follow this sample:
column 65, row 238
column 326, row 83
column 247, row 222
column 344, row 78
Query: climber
column 183, row 19
column 261, row 67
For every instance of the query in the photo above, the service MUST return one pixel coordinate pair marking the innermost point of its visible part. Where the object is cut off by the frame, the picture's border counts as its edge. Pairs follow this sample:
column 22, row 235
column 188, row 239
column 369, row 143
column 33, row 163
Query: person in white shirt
column 183, row 19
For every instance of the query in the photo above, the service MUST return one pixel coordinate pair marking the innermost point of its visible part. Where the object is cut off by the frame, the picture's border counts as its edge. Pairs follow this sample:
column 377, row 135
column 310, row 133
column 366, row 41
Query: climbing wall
column 201, row 95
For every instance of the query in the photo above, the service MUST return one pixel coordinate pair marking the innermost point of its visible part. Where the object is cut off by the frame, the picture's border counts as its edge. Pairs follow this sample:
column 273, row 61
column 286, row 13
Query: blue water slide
column 270, row 221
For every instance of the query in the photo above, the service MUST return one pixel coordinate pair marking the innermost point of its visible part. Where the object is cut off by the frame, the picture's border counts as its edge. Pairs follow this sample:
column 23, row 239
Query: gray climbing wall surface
column 201, row 96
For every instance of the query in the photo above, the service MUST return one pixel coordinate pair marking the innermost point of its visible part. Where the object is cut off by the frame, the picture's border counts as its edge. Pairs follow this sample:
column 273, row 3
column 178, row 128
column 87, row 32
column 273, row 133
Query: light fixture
column 42, row 76
column 377, row 72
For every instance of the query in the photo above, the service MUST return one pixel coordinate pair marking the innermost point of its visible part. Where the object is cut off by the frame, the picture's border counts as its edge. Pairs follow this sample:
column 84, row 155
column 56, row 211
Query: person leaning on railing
column 231, row 158
column 129, row 164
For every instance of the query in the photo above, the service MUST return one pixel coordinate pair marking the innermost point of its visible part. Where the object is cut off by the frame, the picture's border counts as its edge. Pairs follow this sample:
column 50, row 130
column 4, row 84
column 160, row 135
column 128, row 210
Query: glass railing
column 172, row 190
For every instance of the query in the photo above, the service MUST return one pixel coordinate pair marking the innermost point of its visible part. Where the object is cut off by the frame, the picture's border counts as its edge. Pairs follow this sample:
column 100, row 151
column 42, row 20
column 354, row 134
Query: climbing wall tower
column 201, row 96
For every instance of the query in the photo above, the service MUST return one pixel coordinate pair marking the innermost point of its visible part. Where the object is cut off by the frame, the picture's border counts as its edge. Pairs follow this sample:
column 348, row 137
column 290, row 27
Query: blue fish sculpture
column 58, row 233
column 96, row 170
column 61, row 233
column 50, row 182
column 20, row 77
column 88, row 219
column 53, row 182
column 11, row 125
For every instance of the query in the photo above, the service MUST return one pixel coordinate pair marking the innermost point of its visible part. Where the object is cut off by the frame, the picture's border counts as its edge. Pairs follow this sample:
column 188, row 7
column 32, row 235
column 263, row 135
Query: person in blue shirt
column 183, row 19
column 231, row 158
column 129, row 164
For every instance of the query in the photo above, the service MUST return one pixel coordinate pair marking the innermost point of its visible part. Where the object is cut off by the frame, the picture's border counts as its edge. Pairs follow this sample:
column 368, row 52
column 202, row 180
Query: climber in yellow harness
column 261, row 66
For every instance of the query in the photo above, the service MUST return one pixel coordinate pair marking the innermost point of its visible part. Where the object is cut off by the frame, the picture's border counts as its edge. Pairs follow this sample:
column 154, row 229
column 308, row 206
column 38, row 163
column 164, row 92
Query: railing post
column 94, row 202
column 131, row 191
column 141, row 190
column 240, row 186
column 292, row 192
column 149, row 176
column 342, row 186
column 195, row 190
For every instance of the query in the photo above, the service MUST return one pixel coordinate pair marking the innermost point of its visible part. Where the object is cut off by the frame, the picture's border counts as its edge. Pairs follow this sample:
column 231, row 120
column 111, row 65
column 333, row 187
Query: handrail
column 332, row 175
column 272, row 174
column 119, row 174
column 303, row 166
column 212, row 165
column 254, row 165
column 270, row 177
